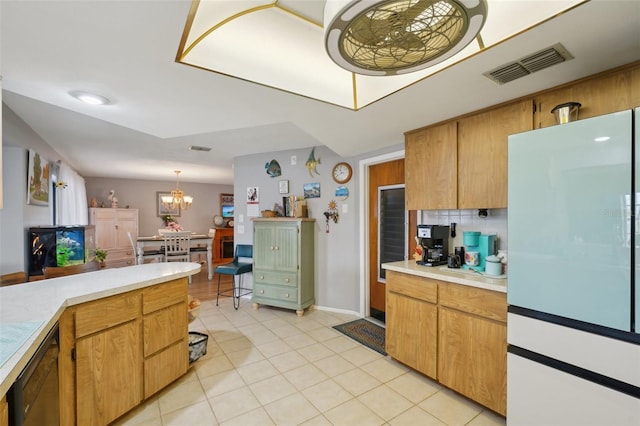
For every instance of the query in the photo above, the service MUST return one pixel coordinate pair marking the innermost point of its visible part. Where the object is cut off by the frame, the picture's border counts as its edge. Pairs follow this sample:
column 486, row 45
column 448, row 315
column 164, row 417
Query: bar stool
column 235, row 268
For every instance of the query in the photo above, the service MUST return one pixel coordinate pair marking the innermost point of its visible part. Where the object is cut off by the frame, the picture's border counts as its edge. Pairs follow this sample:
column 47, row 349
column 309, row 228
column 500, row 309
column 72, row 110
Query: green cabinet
column 284, row 263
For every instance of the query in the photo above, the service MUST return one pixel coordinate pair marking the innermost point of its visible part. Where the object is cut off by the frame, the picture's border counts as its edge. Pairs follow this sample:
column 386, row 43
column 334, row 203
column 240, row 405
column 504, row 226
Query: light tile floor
column 270, row 367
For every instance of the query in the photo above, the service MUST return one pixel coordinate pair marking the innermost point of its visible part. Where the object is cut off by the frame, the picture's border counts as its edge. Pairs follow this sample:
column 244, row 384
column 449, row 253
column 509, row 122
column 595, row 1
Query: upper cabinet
column 431, row 168
column 601, row 94
column 482, row 154
column 463, row 164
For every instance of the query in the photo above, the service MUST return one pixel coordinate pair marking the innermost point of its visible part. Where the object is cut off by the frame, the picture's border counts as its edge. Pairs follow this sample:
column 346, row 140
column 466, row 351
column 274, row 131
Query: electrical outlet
column 240, row 218
column 241, row 229
column 294, row 160
column 345, row 208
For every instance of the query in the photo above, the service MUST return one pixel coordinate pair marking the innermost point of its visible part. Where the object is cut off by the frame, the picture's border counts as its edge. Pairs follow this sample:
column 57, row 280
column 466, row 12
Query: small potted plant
column 101, row 255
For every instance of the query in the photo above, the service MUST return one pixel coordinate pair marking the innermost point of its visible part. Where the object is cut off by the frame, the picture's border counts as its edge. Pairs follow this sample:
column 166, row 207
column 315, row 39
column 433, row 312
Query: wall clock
column 342, row 172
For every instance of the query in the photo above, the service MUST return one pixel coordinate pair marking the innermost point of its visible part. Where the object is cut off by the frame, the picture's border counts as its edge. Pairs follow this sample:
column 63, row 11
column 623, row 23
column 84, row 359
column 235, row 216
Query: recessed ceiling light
column 90, row 98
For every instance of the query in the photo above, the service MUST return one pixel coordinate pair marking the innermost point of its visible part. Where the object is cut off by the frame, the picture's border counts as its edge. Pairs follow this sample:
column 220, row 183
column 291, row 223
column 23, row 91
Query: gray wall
column 17, row 216
column 141, row 195
column 336, row 252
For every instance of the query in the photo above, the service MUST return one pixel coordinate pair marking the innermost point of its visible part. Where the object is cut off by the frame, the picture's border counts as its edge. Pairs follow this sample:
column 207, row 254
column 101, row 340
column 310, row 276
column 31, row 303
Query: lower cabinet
column 412, row 314
column 4, row 411
column 117, row 351
column 453, row 333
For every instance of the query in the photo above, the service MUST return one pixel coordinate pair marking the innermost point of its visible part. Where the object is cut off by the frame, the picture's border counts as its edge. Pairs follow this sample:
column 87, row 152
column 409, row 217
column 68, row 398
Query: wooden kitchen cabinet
column 599, row 94
column 111, row 227
column 108, row 358
column 453, row 333
column 283, row 263
column 165, row 331
column 412, row 321
column 472, row 344
column 431, row 167
column 119, row 350
column 482, row 153
column 4, row 411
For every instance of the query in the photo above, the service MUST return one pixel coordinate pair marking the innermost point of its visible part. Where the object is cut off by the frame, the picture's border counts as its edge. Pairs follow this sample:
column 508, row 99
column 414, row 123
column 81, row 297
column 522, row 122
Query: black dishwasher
column 33, row 398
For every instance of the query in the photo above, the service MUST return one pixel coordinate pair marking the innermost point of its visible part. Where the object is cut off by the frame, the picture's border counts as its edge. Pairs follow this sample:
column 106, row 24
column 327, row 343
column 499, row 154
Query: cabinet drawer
column 413, row 286
column 275, row 292
column 105, row 313
column 278, row 278
column 165, row 366
column 164, row 327
column 163, row 295
column 120, row 254
column 485, row 303
column 119, row 263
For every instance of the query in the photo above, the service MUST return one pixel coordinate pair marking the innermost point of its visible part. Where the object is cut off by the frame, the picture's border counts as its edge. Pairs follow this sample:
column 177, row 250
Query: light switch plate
column 345, row 208
column 294, row 160
column 241, row 229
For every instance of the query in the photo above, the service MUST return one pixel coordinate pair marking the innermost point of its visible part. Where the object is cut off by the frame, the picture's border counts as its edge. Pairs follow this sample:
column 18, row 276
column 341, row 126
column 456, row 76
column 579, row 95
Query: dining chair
column 200, row 249
column 238, row 267
column 154, row 255
column 177, row 246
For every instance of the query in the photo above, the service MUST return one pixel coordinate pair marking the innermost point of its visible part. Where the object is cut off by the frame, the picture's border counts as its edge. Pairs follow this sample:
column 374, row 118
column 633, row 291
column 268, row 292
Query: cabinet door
column 286, row 250
column 482, row 154
column 431, row 168
column 598, row 96
column 472, row 356
column 411, row 332
column 263, row 245
column 104, row 221
column 126, row 221
column 108, row 373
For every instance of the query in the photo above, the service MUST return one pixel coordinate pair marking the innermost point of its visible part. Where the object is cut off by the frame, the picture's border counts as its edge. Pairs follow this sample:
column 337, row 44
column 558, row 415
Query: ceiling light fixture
column 177, row 197
column 392, row 37
column 90, row 98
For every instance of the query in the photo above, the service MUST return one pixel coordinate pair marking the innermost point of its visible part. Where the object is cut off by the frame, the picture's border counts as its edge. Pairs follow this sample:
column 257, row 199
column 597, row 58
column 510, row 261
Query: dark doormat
column 364, row 332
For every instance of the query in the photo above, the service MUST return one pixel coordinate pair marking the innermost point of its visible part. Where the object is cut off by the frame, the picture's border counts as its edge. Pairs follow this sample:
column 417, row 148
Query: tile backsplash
column 469, row 220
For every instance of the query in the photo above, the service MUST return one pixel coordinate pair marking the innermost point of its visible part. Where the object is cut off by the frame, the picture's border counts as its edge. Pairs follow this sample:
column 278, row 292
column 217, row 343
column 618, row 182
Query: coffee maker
column 434, row 240
column 481, row 245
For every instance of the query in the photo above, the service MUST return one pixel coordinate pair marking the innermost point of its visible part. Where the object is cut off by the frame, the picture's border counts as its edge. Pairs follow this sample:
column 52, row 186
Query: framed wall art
column 38, row 180
column 311, row 190
column 283, row 186
column 161, row 209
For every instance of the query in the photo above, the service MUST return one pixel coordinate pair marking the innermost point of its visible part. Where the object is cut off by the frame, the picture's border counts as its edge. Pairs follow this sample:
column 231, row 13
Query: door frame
column 363, row 207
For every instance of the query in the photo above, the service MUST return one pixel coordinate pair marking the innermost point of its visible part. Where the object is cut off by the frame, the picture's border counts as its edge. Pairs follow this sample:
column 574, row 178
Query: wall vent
column 542, row 59
column 199, row 148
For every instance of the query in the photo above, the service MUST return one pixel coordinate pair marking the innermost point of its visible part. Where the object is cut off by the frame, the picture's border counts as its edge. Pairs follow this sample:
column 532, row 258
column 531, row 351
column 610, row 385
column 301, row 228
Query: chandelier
column 177, row 197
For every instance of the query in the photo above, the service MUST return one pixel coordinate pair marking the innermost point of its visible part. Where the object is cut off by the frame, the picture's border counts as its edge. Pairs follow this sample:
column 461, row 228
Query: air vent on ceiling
column 199, row 148
column 529, row 64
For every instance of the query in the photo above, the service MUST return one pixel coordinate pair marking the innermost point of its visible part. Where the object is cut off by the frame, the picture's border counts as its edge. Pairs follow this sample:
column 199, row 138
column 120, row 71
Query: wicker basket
column 197, row 345
column 269, row 213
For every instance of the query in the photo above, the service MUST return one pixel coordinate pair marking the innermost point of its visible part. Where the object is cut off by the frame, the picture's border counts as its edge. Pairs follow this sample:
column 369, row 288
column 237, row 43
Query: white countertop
column 44, row 301
column 458, row 276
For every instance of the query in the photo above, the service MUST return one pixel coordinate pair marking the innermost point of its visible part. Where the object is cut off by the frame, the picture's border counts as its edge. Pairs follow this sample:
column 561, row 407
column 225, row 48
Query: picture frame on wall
column 38, row 180
column 283, row 186
column 161, row 209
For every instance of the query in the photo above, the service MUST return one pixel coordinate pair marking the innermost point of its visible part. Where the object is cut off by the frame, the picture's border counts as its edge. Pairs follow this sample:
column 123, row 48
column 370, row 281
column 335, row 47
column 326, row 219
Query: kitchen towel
column 13, row 335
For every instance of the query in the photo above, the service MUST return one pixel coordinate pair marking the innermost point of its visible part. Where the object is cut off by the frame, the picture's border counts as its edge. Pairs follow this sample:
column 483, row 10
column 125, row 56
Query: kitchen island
column 450, row 325
column 42, row 304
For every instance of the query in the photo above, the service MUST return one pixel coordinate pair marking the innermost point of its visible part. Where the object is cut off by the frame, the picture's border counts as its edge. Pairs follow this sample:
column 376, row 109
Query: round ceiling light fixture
column 90, row 98
column 391, row 37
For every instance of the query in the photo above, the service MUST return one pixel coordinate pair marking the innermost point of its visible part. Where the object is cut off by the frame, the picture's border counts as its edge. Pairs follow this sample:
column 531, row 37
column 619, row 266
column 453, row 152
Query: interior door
column 380, row 175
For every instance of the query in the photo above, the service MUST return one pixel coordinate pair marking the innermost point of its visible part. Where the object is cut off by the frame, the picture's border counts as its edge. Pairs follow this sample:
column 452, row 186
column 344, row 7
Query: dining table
column 157, row 241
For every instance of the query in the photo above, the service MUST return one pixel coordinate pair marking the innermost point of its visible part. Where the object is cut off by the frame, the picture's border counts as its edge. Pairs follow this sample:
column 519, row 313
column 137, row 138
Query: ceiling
column 126, row 50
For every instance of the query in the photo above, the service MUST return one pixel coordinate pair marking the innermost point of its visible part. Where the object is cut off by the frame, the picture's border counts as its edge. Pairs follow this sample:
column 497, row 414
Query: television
column 227, row 211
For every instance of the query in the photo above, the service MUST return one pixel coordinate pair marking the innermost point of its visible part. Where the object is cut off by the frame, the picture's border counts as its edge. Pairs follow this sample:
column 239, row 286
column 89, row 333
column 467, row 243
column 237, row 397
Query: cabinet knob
column 277, row 248
column 261, row 291
column 273, row 248
column 262, row 277
column 286, row 280
column 286, row 295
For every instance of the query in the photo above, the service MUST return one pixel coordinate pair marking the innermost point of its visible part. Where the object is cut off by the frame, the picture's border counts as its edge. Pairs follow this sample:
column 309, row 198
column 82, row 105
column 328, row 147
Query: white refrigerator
column 573, row 325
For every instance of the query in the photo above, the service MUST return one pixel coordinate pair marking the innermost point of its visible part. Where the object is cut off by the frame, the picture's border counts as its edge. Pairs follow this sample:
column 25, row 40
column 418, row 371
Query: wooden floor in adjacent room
column 203, row 289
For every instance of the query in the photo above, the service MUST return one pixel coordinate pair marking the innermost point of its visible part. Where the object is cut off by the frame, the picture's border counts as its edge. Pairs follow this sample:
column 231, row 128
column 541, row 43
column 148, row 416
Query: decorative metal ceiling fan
column 388, row 37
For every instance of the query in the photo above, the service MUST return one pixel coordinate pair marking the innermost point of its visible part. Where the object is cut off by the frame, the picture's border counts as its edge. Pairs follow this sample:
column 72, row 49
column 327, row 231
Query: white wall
column 336, row 252
column 141, row 195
